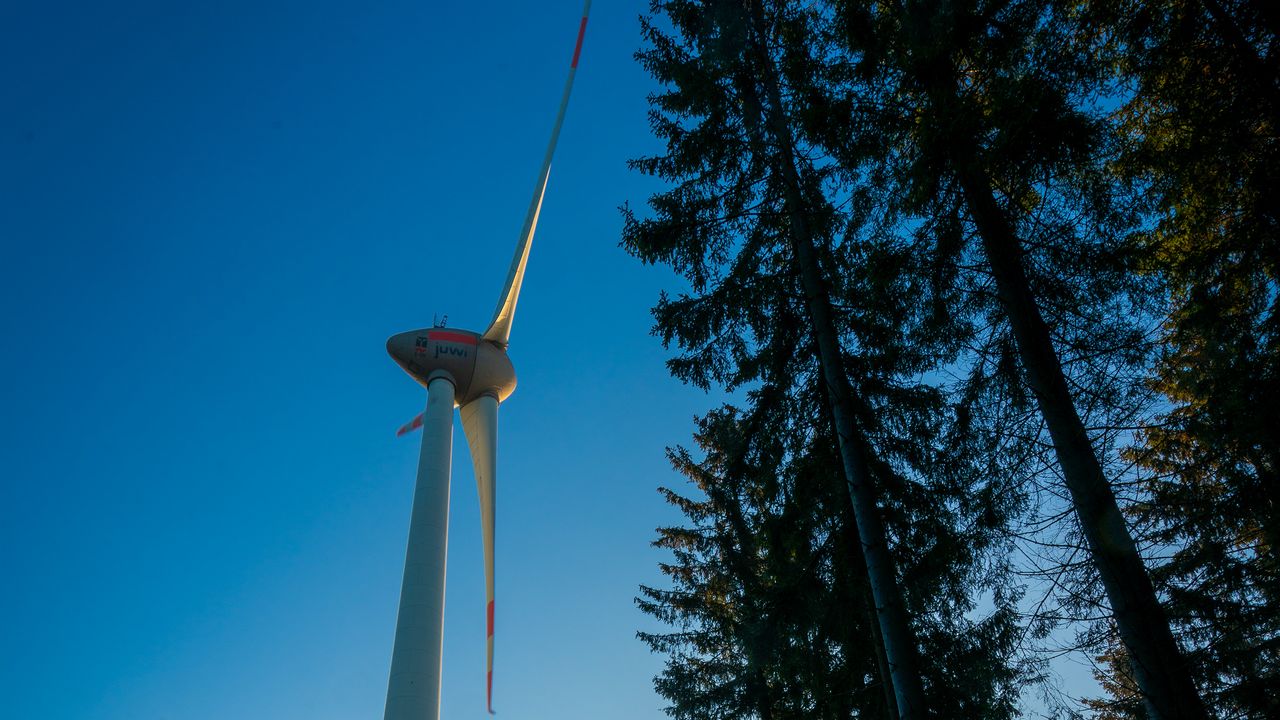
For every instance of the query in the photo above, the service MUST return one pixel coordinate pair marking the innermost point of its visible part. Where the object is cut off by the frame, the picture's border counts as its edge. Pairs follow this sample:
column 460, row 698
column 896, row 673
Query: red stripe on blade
column 443, row 336
column 413, row 424
column 577, row 50
column 490, row 690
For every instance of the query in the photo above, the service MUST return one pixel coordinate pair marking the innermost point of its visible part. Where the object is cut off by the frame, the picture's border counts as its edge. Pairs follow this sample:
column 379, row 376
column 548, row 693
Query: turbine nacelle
column 474, row 365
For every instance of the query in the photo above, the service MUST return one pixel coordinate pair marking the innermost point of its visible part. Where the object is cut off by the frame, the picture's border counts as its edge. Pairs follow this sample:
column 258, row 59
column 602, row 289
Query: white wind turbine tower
column 470, row 371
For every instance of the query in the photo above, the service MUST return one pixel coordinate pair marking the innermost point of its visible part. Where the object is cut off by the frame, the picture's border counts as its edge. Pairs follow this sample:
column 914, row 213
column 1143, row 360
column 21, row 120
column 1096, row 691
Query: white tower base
column 413, row 692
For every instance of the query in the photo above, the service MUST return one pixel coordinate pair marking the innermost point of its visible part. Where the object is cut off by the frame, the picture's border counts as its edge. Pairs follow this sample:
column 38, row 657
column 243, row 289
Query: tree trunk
column 1158, row 665
column 855, row 451
column 850, row 528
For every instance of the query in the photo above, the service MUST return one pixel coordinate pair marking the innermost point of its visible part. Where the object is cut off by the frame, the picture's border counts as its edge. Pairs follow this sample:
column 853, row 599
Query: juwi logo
column 454, row 348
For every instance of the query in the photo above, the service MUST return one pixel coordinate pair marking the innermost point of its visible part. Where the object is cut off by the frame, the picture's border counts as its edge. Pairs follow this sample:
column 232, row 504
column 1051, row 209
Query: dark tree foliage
column 962, row 255
column 769, row 618
column 984, row 106
column 769, row 605
column 730, row 226
column 1115, row 674
column 1201, row 125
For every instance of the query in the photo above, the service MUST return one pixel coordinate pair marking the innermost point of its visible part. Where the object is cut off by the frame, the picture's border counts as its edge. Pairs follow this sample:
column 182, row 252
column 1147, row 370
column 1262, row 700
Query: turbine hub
column 474, row 365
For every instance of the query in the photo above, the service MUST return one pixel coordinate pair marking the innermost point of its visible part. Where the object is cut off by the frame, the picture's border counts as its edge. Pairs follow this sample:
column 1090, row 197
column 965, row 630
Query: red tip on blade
column 577, row 50
column 490, row 681
column 410, row 426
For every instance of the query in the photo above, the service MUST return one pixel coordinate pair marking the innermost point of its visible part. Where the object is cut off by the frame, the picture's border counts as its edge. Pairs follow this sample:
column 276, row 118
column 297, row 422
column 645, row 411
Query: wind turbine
column 470, row 371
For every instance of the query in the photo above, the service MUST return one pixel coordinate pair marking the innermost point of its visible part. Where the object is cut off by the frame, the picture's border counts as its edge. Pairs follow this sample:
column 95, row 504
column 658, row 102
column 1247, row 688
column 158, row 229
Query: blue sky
column 211, row 218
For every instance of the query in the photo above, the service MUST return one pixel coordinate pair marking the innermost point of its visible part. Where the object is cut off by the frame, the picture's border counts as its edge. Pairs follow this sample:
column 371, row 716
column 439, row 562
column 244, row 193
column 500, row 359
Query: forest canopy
column 994, row 288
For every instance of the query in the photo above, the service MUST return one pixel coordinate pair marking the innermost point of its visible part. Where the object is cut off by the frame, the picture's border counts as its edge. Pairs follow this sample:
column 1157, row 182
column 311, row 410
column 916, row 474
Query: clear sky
column 212, row 216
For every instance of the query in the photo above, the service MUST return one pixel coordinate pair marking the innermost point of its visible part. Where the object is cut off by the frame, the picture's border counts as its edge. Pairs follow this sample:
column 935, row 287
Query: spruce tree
column 764, row 605
column 771, row 246
column 984, row 109
column 1202, row 140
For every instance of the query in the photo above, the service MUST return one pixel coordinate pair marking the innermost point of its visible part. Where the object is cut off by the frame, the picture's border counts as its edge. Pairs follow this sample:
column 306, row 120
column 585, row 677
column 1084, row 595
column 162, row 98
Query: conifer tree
column 767, row 619
column 769, row 605
column 981, row 105
column 867, row 194
column 1202, row 132
column 780, row 272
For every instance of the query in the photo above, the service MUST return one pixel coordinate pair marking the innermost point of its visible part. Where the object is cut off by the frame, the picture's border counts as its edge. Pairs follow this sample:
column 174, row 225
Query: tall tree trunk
column 1158, row 665
column 862, row 581
column 882, row 660
column 855, row 451
column 850, row 528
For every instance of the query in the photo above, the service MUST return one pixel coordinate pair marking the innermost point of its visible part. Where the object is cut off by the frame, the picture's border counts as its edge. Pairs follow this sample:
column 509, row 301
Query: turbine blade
column 480, row 425
column 500, row 328
column 410, row 426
